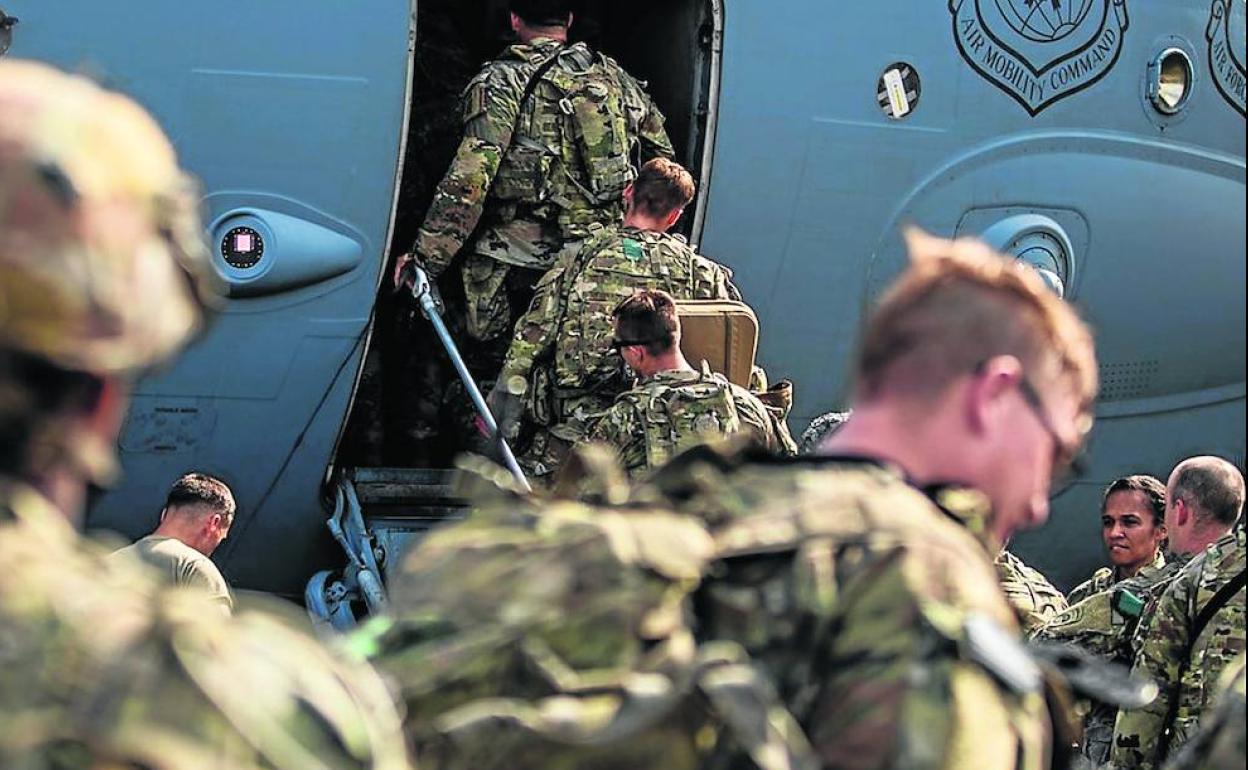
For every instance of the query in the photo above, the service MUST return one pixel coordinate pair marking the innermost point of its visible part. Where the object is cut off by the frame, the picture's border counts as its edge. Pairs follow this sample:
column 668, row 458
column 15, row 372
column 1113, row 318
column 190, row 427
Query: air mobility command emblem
column 1040, row 51
column 1226, row 49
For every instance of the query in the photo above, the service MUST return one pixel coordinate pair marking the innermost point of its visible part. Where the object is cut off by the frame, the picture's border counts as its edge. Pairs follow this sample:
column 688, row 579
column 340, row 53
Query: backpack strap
column 530, row 87
column 1215, row 604
column 1211, row 608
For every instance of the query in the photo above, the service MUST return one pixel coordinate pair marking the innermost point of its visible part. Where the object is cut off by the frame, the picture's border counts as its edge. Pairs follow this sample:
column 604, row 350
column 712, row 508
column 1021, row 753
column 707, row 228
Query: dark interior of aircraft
column 664, row 42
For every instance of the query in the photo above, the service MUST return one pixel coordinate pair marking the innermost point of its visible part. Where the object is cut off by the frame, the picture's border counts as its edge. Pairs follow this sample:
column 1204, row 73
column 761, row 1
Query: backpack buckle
column 565, row 106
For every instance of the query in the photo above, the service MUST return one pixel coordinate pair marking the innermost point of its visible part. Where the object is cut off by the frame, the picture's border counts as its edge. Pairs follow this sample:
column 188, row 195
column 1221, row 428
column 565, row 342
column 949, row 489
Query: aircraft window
column 898, row 90
column 1170, row 80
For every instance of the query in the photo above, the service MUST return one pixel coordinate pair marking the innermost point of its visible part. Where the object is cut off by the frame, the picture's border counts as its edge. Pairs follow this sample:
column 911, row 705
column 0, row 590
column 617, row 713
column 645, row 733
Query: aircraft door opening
column 673, row 46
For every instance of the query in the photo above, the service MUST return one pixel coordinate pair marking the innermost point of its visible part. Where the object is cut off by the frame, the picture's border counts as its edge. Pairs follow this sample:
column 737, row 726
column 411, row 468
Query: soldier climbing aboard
column 553, row 134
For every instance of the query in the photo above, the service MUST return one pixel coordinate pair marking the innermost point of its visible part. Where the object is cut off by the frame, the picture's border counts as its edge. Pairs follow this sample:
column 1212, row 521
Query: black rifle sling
column 1211, row 608
column 1219, row 600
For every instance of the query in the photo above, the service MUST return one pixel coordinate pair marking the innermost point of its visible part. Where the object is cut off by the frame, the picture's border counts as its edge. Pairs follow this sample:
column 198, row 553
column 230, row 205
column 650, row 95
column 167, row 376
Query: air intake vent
column 1121, row 382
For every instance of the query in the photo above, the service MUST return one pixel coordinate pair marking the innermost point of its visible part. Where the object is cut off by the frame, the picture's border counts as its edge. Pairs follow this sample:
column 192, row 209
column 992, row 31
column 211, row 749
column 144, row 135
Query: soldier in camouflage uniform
column 561, row 371
column 674, row 406
column 860, row 581
column 1105, row 623
column 551, row 135
column 1222, row 741
column 1134, row 530
column 1030, row 593
column 862, row 590
column 104, row 666
column 1197, row 625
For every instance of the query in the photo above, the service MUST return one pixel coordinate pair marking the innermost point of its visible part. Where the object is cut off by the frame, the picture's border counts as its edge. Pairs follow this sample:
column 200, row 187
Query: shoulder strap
column 1219, row 600
column 535, row 78
column 529, row 88
column 1211, row 608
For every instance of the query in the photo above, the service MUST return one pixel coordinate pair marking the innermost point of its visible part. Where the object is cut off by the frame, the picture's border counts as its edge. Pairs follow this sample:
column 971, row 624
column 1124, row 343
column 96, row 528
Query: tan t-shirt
column 184, row 565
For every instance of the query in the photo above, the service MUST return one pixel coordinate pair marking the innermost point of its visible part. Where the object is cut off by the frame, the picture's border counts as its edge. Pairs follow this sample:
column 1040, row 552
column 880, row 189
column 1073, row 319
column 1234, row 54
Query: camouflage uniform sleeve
column 1161, row 642
column 1222, row 741
column 651, row 133
column 713, row 281
column 491, row 106
column 1032, row 596
column 621, row 427
column 754, row 419
column 1100, row 580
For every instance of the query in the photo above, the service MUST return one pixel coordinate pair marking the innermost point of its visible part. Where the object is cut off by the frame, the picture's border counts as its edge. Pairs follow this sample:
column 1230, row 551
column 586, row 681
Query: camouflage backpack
column 680, row 416
column 573, row 140
column 541, row 634
column 615, row 264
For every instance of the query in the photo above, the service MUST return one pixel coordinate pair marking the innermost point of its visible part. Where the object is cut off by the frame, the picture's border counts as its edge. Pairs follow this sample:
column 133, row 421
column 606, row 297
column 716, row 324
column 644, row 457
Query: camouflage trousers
column 546, row 448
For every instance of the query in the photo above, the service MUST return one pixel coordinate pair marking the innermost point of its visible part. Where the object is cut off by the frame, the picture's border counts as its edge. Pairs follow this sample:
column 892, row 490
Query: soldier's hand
column 403, row 276
column 507, row 408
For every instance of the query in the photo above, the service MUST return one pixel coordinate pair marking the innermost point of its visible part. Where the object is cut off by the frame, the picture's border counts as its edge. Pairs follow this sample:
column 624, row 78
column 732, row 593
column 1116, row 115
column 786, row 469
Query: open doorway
column 673, row 45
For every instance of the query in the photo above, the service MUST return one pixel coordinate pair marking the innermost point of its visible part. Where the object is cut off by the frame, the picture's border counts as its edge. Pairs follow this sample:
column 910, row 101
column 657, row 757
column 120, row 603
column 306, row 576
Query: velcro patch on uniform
column 1128, row 604
column 633, row 250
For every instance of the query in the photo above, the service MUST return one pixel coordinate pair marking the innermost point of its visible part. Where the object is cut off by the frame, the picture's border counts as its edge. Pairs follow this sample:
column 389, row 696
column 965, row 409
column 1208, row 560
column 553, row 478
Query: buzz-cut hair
column 1150, row 486
column 661, row 187
column 542, row 13
column 647, row 318
column 1211, row 485
column 960, row 304
column 201, row 489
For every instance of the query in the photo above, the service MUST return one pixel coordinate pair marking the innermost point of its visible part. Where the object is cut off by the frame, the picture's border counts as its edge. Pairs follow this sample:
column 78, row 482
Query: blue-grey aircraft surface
column 1100, row 140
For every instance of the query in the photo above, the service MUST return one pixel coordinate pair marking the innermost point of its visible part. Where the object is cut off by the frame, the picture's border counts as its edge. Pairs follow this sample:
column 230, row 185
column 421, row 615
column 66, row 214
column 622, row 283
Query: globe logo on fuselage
column 1040, row 51
column 1226, row 50
column 1044, row 21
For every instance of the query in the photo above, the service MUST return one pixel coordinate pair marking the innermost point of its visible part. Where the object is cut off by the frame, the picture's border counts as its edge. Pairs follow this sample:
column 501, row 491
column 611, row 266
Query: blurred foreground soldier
column 103, row 666
column 1133, row 528
column 543, row 634
column 196, row 519
column 1220, row 744
column 552, row 136
column 1105, row 623
column 862, row 581
column 1029, row 592
column 561, row 371
column 674, row 406
column 1197, row 626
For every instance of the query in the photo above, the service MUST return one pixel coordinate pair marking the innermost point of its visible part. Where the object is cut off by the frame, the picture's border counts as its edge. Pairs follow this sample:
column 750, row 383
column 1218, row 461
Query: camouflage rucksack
column 615, row 264
column 550, row 633
column 678, row 417
column 573, row 141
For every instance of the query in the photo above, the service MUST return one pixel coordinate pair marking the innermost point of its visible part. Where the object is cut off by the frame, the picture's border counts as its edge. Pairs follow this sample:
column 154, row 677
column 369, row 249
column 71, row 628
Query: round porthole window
column 1170, row 80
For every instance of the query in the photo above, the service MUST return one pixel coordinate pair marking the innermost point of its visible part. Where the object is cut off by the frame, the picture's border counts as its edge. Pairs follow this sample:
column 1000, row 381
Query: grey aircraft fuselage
column 1059, row 130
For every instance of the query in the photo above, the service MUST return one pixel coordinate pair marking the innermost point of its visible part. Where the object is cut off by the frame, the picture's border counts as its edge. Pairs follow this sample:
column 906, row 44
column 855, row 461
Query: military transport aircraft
column 1100, row 140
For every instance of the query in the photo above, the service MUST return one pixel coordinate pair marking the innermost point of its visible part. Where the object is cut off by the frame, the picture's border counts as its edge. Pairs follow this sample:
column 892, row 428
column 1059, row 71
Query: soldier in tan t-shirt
column 195, row 520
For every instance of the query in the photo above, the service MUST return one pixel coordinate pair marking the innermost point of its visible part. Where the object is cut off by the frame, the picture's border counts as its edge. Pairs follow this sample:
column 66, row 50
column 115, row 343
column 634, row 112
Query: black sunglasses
column 616, row 344
column 1070, row 460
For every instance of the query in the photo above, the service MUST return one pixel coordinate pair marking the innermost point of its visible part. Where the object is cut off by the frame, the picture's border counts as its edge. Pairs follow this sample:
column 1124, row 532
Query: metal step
column 401, row 505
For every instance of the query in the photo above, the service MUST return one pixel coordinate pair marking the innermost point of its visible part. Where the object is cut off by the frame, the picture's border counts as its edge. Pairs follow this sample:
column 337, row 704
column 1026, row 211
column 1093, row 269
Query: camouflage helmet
column 102, row 266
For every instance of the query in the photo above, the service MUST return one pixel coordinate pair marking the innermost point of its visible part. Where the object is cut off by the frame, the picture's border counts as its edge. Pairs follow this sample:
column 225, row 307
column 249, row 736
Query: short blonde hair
column 959, row 304
column 662, row 186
